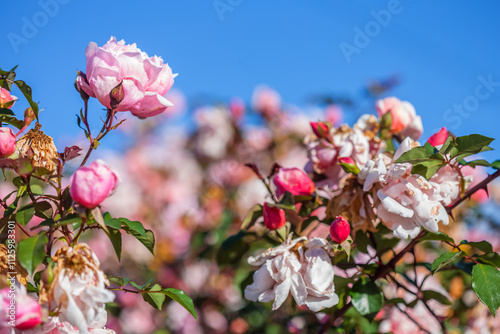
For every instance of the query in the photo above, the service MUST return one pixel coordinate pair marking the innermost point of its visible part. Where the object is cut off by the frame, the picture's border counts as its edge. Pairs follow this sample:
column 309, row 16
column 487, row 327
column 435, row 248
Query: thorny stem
column 106, row 128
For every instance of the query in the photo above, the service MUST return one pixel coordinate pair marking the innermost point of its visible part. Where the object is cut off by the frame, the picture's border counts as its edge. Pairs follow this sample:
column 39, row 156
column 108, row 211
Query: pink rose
column 7, row 142
column 6, row 100
column 320, row 129
column 28, row 312
column 145, row 80
column 340, row 229
column 294, row 181
column 237, row 108
column 404, row 118
column 439, row 138
column 274, row 218
column 90, row 185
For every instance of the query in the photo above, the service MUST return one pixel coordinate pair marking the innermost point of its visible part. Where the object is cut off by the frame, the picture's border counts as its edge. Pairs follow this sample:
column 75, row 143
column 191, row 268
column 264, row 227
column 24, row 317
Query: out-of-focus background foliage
column 183, row 175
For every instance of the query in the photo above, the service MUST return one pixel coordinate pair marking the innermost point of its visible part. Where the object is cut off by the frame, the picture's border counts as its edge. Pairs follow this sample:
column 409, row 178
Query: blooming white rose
column 300, row 267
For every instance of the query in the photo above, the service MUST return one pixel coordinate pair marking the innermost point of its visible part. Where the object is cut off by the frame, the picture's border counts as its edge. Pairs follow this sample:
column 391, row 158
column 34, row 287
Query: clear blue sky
column 439, row 49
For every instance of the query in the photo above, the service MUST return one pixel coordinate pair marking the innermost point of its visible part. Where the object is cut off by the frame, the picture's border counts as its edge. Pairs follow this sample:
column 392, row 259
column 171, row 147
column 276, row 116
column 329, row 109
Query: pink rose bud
column 6, row 100
column 145, row 79
column 340, row 229
column 29, row 116
column 349, row 165
column 320, row 129
column 28, row 312
column 7, row 142
column 90, row 185
column 274, row 218
column 237, row 108
column 294, row 181
column 439, row 138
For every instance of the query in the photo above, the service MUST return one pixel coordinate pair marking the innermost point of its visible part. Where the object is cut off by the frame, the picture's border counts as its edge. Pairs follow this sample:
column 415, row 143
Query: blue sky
column 442, row 51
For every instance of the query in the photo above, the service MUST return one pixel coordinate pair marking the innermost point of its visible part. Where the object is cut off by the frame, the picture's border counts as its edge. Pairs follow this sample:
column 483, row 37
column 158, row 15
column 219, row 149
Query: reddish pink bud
column 439, row 138
column 294, row 181
column 320, row 129
column 347, row 160
column 7, row 142
column 274, row 218
column 237, row 108
column 340, row 229
column 6, row 100
column 90, row 185
column 29, row 116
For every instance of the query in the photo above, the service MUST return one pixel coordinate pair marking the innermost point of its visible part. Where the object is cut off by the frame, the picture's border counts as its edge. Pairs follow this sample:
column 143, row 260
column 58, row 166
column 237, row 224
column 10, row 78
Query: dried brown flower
column 21, row 275
column 38, row 148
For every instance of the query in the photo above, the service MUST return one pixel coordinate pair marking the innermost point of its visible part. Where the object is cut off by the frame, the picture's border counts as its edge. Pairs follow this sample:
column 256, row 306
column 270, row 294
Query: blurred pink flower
column 6, row 99
column 145, row 80
column 404, row 117
column 28, row 312
column 7, row 142
column 334, row 114
column 267, row 101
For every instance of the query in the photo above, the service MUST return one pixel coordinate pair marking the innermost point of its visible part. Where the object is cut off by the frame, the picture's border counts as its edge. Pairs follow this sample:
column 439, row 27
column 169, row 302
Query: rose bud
column 90, row 185
column 6, row 100
column 7, row 142
column 29, row 116
column 320, row 129
column 294, row 181
column 349, row 165
column 145, row 80
column 340, row 229
column 274, row 218
column 439, row 138
column 28, row 312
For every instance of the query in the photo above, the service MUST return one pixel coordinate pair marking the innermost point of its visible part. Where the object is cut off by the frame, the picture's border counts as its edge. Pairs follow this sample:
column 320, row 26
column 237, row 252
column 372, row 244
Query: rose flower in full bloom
column 145, row 80
column 301, row 267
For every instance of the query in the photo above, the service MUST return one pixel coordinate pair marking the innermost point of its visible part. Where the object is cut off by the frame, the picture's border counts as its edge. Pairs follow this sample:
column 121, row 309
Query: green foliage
column 486, row 284
column 366, row 297
column 134, row 228
column 444, row 260
column 252, row 216
column 31, row 252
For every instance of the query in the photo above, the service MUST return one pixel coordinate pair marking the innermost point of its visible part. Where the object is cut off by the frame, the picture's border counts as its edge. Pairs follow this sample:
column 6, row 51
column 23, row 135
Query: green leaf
column 361, row 242
column 148, row 239
column 115, row 237
column 43, row 210
column 438, row 236
column 5, row 111
column 96, row 213
column 349, row 168
column 134, row 226
column 444, row 260
column 24, row 215
column 384, row 245
column 141, row 287
column 496, row 164
column 428, row 168
column 120, row 281
column 415, row 155
column 431, row 294
column 113, row 223
column 471, row 144
column 251, row 217
column 26, row 90
column 486, row 284
column 448, row 145
column 232, row 249
column 366, row 297
column 490, row 258
column 479, row 162
column 31, row 252
column 12, row 121
column 183, row 299
column 386, row 121
column 483, row 246
column 155, row 299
